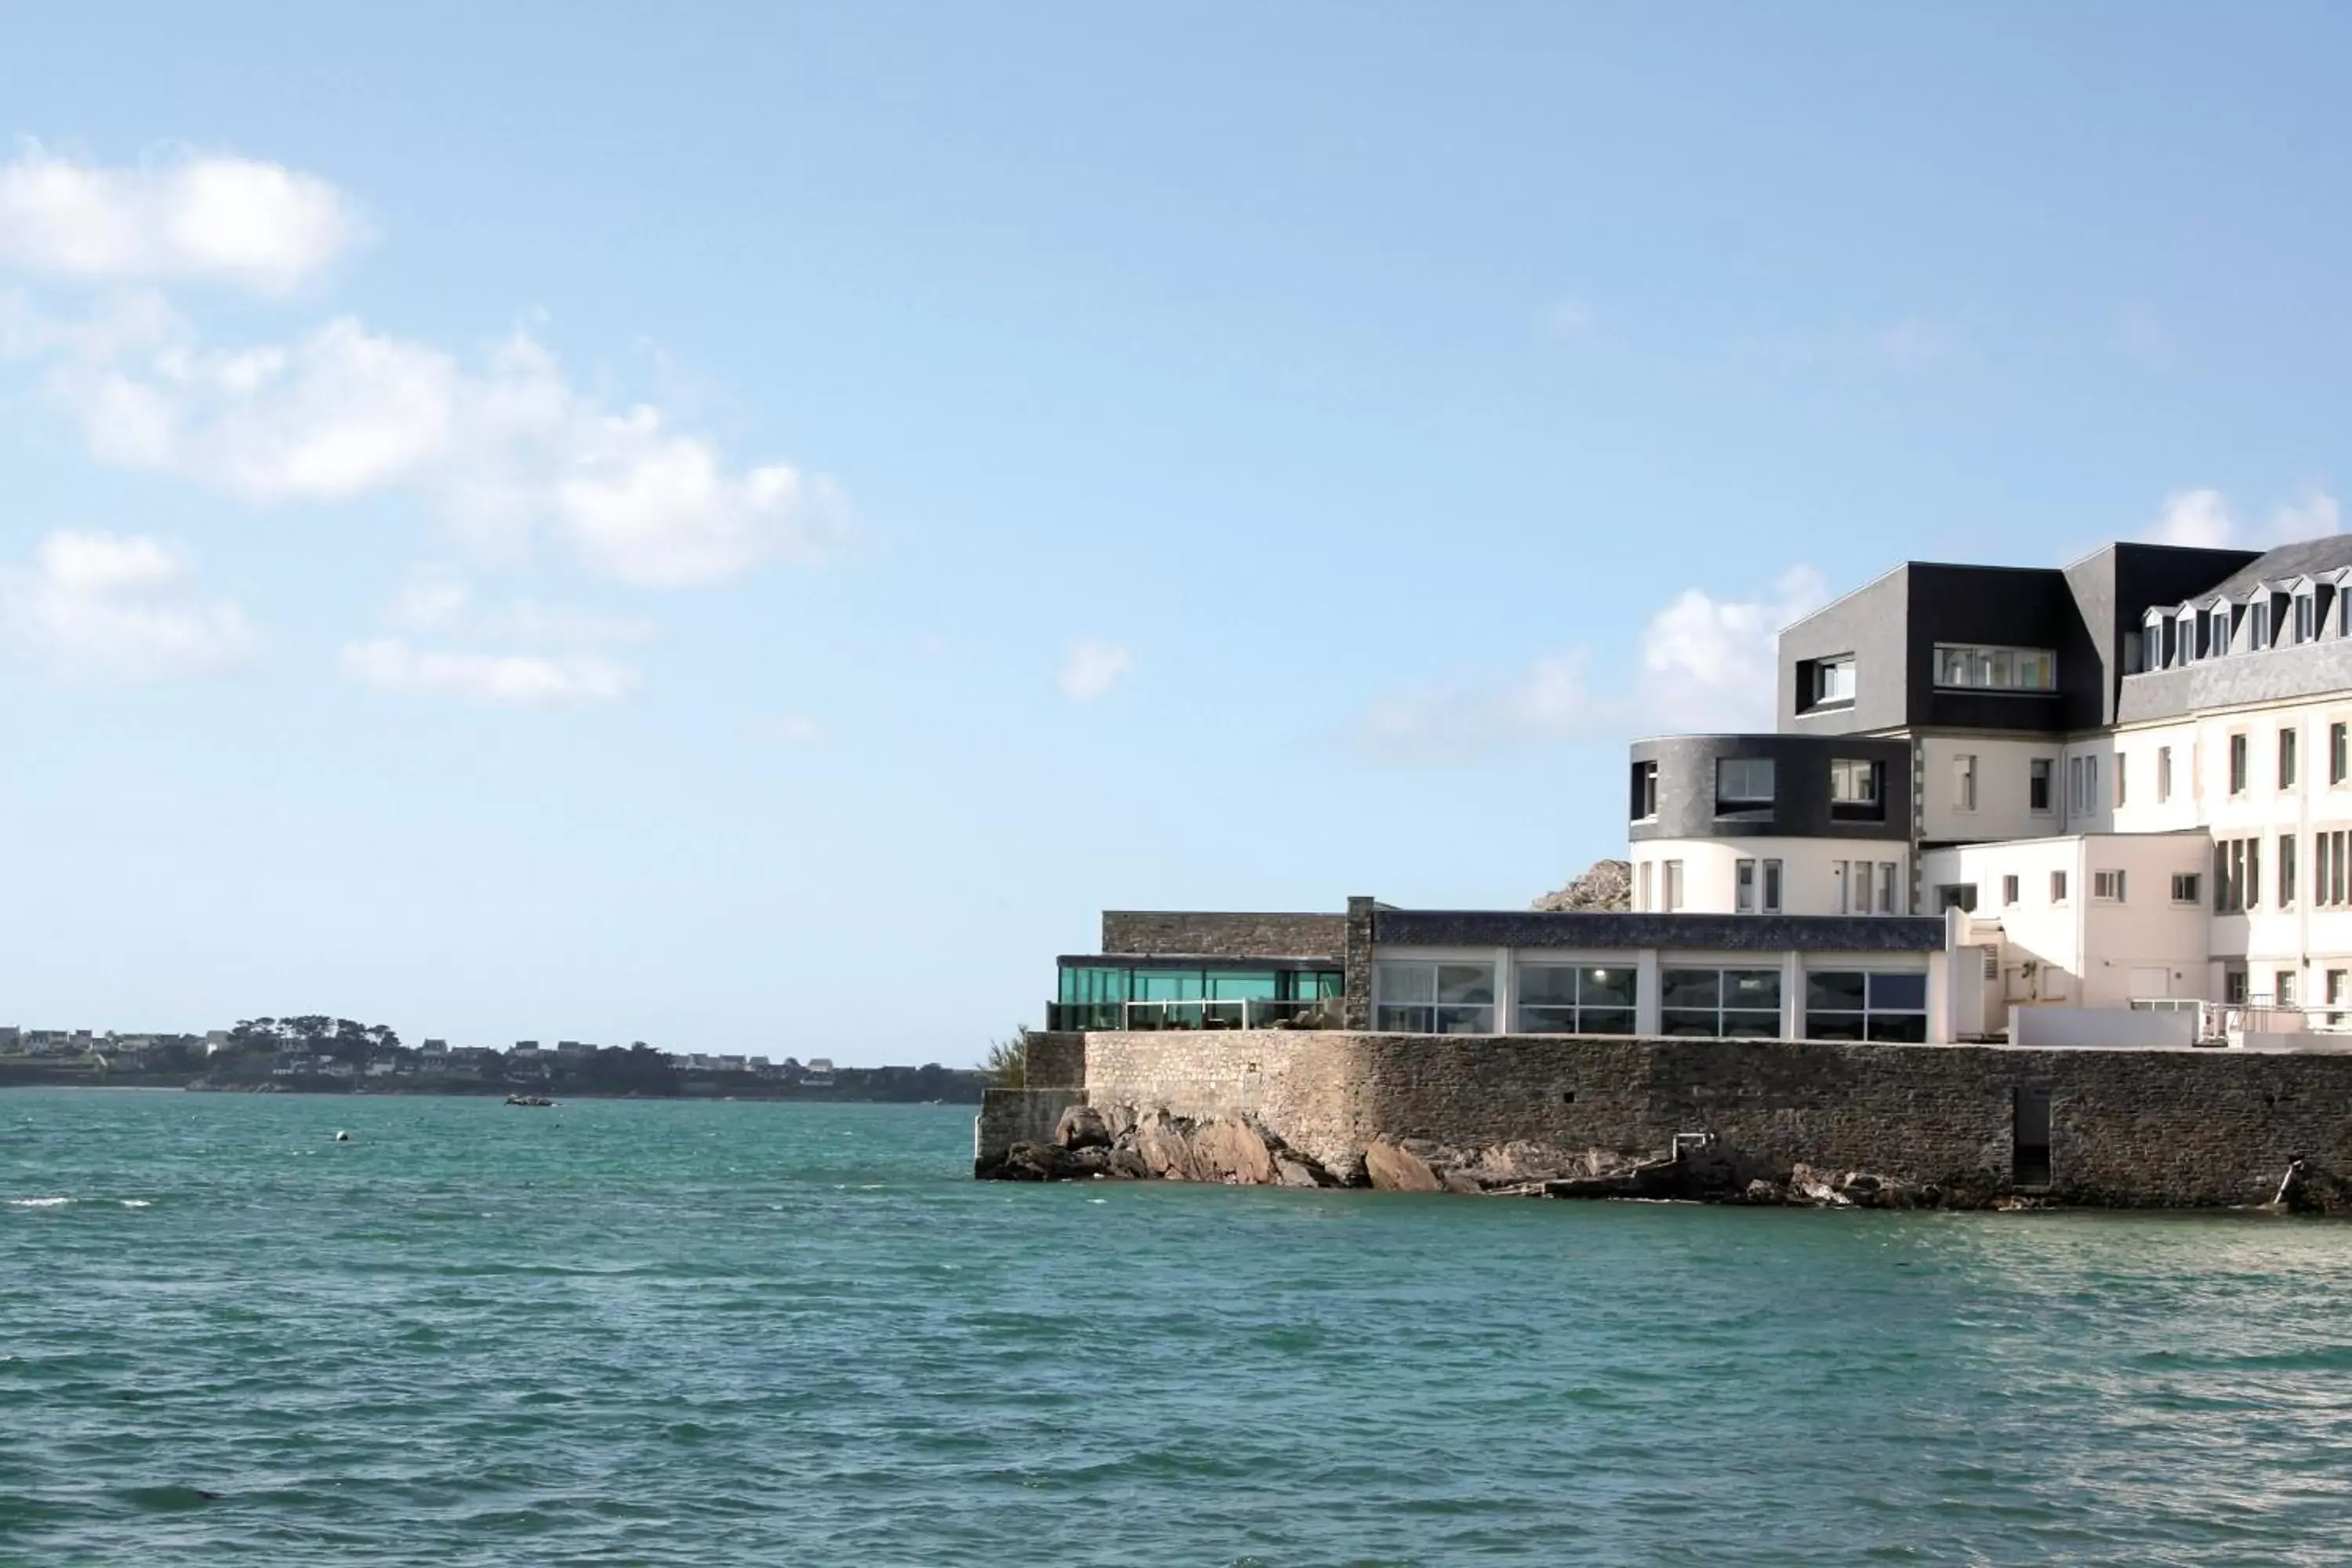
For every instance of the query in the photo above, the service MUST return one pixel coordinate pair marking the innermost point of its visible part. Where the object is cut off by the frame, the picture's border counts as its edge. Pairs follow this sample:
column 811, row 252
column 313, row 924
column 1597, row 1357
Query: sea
column 694, row 1332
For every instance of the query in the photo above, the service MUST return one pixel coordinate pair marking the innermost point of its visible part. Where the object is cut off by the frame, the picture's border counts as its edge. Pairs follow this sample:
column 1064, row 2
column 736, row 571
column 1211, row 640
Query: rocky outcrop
column 1124, row 1143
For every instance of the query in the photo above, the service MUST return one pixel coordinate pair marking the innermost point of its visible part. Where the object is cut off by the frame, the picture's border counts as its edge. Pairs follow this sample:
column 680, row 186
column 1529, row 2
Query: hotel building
column 2070, row 803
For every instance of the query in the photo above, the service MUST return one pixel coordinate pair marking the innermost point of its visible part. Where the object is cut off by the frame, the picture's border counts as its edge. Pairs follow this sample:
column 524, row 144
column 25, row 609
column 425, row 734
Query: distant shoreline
column 18, row 1075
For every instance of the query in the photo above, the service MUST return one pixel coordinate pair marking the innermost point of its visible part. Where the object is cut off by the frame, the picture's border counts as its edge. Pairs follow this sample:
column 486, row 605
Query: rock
column 1807, row 1185
column 1291, row 1172
column 1127, row 1165
column 1082, row 1127
column 1120, row 1120
column 1230, row 1150
column 1461, row 1182
column 1395, row 1170
column 1760, row 1191
column 1165, row 1148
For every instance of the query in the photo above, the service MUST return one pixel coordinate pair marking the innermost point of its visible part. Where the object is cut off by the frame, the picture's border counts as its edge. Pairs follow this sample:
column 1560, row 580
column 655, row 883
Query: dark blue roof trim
column 1700, row 932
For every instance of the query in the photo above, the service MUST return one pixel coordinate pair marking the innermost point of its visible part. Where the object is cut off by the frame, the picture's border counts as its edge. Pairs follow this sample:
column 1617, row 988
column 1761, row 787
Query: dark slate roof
column 1195, row 961
column 1690, row 933
column 2306, row 559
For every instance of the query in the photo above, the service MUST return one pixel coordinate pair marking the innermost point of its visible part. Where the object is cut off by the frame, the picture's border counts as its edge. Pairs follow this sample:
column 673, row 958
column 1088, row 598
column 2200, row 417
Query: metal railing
column 1196, row 1013
column 2217, row 1021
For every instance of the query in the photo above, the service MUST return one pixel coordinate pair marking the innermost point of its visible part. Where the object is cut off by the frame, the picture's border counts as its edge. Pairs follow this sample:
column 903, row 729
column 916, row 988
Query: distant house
column 440, row 1046
column 382, row 1067
column 818, row 1073
column 733, row 1064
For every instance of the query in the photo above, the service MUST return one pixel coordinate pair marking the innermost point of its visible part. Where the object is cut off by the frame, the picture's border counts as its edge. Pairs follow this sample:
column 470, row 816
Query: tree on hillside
column 1605, row 885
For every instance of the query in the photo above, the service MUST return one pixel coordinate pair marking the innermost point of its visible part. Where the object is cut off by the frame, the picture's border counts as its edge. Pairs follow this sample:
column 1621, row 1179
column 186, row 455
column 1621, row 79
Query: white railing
column 1220, row 1012
column 2256, row 1016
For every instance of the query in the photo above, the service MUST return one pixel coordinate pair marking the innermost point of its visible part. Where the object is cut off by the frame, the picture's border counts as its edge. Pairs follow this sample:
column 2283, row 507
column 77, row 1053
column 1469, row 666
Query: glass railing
column 1196, row 1013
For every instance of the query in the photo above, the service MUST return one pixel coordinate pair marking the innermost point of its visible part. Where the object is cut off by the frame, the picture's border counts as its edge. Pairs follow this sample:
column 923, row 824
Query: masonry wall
column 2129, row 1128
column 1209, row 934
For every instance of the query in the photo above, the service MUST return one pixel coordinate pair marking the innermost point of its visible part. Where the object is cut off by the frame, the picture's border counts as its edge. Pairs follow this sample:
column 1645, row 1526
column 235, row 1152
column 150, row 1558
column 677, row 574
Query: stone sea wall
column 1729, row 1118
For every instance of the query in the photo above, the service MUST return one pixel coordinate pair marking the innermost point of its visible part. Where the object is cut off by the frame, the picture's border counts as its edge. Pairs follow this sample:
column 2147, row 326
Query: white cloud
column 1091, row 668
column 437, row 601
column 185, row 216
column 123, row 609
column 502, row 446
column 532, row 681
column 518, row 652
column 1707, row 664
column 2206, row 519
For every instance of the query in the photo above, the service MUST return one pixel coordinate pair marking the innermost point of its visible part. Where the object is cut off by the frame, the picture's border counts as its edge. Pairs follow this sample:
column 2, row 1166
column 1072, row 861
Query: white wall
column 2003, row 790
column 2085, row 951
column 1809, row 879
column 2108, row 1026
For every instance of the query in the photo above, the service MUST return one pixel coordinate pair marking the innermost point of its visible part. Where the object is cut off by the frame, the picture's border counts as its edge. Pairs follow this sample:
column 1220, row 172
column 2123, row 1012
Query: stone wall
column 1010, row 1116
column 1056, row 1058
column 1205, row 934
column 2129, row 1128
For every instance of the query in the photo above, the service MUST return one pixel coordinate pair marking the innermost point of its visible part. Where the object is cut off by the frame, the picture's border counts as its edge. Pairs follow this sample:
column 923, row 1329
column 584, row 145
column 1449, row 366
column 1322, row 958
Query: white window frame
column 2107, row 887
column 2058, row 888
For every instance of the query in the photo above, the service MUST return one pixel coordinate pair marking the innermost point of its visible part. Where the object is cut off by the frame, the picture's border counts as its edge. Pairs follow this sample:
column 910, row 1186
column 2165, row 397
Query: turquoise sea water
column 710, row 1333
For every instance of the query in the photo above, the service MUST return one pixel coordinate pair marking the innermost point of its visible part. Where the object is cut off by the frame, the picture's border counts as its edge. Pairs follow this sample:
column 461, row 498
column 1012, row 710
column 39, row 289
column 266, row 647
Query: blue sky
column 745, row 527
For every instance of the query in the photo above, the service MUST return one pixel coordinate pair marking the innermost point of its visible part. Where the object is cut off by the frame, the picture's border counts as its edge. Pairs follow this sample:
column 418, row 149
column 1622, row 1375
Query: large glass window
column 1996, row 669
column 1431, row 998
column 1743, row 781
column 1857, row 789
column 1732, row 1004
column 1645, row 791
column 1833, row 681
column 1575, row 999
column 1864, row 1005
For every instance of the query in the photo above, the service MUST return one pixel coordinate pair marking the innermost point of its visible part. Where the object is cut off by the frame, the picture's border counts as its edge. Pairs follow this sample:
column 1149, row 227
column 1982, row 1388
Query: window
column 2008, row 890
column 2338, row 751
column 1671, row 875
column 1728, row 1004
column 1848, row 1005
column 2037, row 784
column 2286, row 759
column 1955, row 895
column 2163, row 774
column 1575, row 999
column 2184, row 888
column 1771, row 887
column 2216, row 631
column 2258, row 615
column 2283, row 987
column 2334, row 993
column 1964, row 782
column 1645, row 791
column 1645, row 901
column 2120, row 771
column 1857, row 789
column 1837, row 875
column 1831, row 681
column 2107, row 887
column 2057, row 887
column 1431, row 998
column 2306, row 618
column 2287, row 871
column 1887, row 869
column 2238, row 764
column 2237, row 874
column 1742, row 782
column 2081, row 786
column 2233, row 987
column 1996, row 669
column 1743, row 888
column 2328, row 878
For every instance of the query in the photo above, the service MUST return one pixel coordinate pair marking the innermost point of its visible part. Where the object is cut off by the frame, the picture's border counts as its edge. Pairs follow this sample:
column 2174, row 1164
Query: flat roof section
column 1698, row 932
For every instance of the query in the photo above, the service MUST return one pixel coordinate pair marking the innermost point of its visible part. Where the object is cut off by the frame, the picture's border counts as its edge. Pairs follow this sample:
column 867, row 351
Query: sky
column 745, row 527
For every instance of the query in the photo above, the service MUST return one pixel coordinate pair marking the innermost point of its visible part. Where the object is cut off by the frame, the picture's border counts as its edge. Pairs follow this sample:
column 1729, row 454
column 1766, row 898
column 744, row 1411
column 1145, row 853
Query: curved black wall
column 1800, row 786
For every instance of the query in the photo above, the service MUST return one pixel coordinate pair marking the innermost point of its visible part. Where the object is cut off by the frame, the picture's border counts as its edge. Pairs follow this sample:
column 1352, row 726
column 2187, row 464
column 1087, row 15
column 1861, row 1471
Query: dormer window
column 2185, row 638
column 2216, row 631
column 2258, row 630
column 2306, row 617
